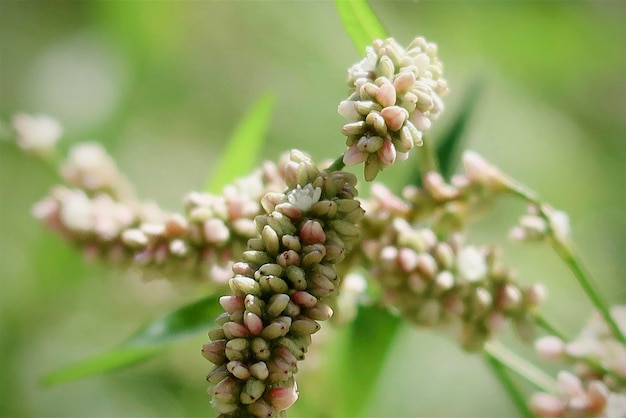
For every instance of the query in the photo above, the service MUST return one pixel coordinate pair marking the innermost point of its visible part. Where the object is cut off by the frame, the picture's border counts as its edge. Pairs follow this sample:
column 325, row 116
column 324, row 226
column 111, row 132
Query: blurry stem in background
column 549, row 328
column 520, row 366
column 565, row 251
column 518, row 398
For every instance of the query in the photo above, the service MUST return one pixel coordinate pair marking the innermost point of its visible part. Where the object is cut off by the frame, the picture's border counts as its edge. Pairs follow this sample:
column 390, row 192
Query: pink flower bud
column 386, row 94
column 282, row 398
column 312, row 232
column 354, row 156
column 387, row 154
column 394, row 116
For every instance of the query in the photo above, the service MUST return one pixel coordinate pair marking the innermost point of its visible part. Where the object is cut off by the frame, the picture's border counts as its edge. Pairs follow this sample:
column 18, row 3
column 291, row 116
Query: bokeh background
column 162, row 84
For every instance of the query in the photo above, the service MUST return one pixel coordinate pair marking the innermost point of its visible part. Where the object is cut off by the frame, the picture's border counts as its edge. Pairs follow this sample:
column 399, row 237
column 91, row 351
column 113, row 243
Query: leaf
column 450, row 144
column 360, row 22
column 372, row 335
column 149, row 340
column 244, row 146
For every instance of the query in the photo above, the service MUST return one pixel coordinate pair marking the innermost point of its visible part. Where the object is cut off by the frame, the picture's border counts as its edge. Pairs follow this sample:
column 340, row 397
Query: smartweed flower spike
column 36, row 134
column 598, row 385
column 281, row 289
column 396, row 92
column 99, row 216
column 443, row 284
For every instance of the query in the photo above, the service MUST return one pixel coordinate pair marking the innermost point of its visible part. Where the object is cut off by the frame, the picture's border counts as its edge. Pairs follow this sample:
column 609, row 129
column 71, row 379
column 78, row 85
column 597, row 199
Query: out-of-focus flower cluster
column 598, row 385
column 36, row 134
column 395, row 93
column 414, row 247
column 445, row 284
column 98, row 212
column 280, row 290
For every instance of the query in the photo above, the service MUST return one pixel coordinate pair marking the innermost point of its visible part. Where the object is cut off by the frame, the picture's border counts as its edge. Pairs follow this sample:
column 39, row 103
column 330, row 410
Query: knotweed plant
column 291, row 245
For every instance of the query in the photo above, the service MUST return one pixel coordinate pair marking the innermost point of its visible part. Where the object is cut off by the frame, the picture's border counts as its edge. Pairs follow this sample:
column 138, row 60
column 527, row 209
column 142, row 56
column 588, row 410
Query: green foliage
column 450, row 145
column 149, row 340
column 360, row 23
column 242, row 150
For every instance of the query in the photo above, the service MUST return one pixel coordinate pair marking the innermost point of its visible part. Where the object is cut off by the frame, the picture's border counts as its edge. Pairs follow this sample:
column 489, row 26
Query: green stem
column 337, row 165
column 520, row 366
column 568, row 256
column 498, row 369
column 549, row 328
column 566, row 253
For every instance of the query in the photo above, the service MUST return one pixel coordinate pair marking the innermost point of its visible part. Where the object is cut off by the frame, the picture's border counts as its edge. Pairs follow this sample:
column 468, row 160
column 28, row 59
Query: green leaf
column 149, row 340
column 450, row 144
column 372, row 335
column 244, row 146
column 360, row 22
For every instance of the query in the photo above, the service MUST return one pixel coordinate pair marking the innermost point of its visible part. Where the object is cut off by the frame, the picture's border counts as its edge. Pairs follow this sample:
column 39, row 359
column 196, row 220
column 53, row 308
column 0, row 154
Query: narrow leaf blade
column 372, row 335
column 149, row 340
column 242, row 150
column 360, row 23
column 450, row 144
column 115, row 359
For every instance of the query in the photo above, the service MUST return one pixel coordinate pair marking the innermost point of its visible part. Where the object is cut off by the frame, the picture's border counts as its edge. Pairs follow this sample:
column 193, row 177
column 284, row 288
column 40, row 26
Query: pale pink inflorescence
column 463, row 289
column 100, row 214
column 37, row 134
column 597, row 386
column 281, row 289
column 396, row 92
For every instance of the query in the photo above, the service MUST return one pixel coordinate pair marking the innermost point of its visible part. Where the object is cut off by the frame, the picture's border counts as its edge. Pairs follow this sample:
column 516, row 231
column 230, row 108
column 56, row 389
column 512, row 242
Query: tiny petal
column 348, row 111
column 282, row 398
column 394, row 117
column 471, row 264
column 386, row 94
column 354, row 155
column 550, row 348
column 387, row 154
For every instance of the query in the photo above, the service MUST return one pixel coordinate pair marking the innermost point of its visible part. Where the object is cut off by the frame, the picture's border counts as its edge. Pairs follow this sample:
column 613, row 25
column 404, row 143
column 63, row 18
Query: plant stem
column 568, row 256
column 336, row 165
column 565, row 251
column 498, row 369
column 549, row 328
column 520, row 366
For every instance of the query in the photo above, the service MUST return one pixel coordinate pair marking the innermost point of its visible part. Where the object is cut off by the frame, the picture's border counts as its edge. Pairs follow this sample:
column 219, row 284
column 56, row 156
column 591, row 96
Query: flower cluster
column 598, row 385
column 444, row 284
column 575, row 399
column 395, row 93
column 101, row 215
column 36, row 134
column 281, row 290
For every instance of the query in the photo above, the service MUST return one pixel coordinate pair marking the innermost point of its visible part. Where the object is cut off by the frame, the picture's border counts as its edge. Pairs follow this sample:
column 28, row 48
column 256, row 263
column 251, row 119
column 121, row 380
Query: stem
column 337, row 165
column 520, row 366
column 566, row 253
column 498, row 369
column 589, row 287
column 549, row 328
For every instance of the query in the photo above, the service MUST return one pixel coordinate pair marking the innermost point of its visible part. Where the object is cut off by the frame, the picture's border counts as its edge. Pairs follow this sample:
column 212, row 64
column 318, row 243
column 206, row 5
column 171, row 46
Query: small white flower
column 471, row 264
column 304, row 197
column 559, row 222
column 76, row 213
column 36, row 133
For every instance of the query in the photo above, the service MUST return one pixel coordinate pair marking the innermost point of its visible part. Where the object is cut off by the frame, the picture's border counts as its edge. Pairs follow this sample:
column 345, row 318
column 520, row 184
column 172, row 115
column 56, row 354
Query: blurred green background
column 162, row 84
